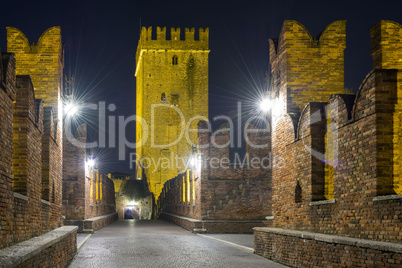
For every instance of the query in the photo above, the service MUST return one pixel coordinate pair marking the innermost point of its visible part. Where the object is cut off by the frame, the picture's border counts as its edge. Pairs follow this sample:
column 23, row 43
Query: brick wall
column 31, row 144
column 358, row 137
column 87, row 193
column 27, row 213
column 212, row 191
column 44, row 63
column 57, row 255
column 324, row 251
column 7, row 96
column 75, row 181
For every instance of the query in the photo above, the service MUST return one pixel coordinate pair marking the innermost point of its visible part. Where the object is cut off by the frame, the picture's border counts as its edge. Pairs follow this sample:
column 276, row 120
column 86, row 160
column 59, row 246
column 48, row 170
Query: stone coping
column 322, row 202
column 197, row 220
column 387, row 197
column 15, row 255
column 97, row 218
column 363, row 243
column 45, row 202
column 20, row 196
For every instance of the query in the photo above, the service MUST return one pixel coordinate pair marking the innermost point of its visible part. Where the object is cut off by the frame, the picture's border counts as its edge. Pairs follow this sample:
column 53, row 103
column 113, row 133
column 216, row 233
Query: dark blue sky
column 101, row 40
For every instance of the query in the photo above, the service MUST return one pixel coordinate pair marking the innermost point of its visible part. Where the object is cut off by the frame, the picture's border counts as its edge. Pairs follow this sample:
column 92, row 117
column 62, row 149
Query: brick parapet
column 306, row 249
column 28, row 212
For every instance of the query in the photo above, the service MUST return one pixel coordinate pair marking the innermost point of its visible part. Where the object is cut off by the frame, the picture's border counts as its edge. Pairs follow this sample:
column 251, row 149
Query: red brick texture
column 28, row 213
column 31, row 151
column 307, row 252
column 87, row 193
column 55, row 256
column 220, row 194
column 7, row 96
column 364, row 203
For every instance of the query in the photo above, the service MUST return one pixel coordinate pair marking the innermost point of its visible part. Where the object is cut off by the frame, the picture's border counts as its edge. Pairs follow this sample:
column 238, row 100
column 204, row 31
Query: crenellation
column 146, row 41
column 175, row 34
column 189, row 34
column 161, row 33
column 347, row 151
column 204, row 34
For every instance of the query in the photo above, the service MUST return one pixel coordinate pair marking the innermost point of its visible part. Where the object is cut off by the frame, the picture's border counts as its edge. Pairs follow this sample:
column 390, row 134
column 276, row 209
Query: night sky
column 101, row 41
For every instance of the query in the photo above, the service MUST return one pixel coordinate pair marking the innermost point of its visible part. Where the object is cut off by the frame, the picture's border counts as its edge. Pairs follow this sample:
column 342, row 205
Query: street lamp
column 71, row 109
column 265, row 104
column 91, row 162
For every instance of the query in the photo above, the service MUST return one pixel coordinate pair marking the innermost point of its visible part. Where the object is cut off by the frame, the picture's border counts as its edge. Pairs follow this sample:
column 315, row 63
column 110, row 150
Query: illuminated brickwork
column 307, row 69
column 172, row 73
column 337, row 161
column 44, row 63
column 119, row 180
column 87, row 193
column 32, row 187
column 223, row 199
column 386, row 49
column 7, row 97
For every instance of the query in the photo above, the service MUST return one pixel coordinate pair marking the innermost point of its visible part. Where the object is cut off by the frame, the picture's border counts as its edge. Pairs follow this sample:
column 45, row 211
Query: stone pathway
column 133, row 243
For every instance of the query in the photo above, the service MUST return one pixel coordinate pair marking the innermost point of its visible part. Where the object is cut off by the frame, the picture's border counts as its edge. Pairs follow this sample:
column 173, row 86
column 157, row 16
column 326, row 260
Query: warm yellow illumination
column 329, row 160
column 192, row 175
column 96, row 184
column 100, row 188
column 184, row 190
column 188, row 185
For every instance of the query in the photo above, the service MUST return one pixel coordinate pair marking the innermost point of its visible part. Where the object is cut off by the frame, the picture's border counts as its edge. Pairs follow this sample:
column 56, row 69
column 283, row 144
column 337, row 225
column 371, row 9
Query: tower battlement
column 43, row 61
column 192, row 40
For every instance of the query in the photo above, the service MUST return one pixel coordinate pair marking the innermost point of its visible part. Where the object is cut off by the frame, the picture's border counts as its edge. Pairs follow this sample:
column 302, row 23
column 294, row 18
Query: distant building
column 133, row 199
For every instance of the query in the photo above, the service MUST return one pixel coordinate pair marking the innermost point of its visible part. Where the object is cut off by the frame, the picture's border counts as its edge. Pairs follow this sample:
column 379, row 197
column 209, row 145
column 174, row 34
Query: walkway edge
column 248, row 249
column 83, row 242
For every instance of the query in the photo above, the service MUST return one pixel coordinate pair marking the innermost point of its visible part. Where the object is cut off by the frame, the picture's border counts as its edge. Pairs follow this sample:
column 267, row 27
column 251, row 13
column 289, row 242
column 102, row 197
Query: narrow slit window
column 174, row 60
column 298, row 193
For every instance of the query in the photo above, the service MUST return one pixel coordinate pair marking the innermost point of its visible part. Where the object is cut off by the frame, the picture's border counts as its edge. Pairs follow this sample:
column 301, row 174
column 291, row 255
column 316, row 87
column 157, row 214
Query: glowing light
column 91, row 163
column 265, row 105
column 71, row 109
column 193, row 161
column 131, row 204
column 138, row 179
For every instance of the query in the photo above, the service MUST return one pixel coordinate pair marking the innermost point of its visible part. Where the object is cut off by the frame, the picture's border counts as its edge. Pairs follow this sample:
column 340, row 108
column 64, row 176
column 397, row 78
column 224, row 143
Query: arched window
column 174, row 60
column 163, row 96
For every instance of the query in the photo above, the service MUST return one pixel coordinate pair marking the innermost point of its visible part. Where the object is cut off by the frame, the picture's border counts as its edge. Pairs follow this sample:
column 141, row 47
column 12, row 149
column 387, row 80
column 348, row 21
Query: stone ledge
column 15, row 255
column 211, row 225
column 322, row 202
column 20, row 196
column 334, row 239
column 45, row 202
column 218, row 221
column 270, row 217
column 181, row 217
column 100, row 217
column 387, row 197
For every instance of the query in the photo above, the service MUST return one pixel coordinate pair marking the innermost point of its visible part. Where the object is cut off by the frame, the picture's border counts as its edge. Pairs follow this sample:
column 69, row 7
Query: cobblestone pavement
column 133, row 243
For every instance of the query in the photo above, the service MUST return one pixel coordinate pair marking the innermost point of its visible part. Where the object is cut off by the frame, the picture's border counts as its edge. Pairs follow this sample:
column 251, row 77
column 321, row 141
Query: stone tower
column 172, row 96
